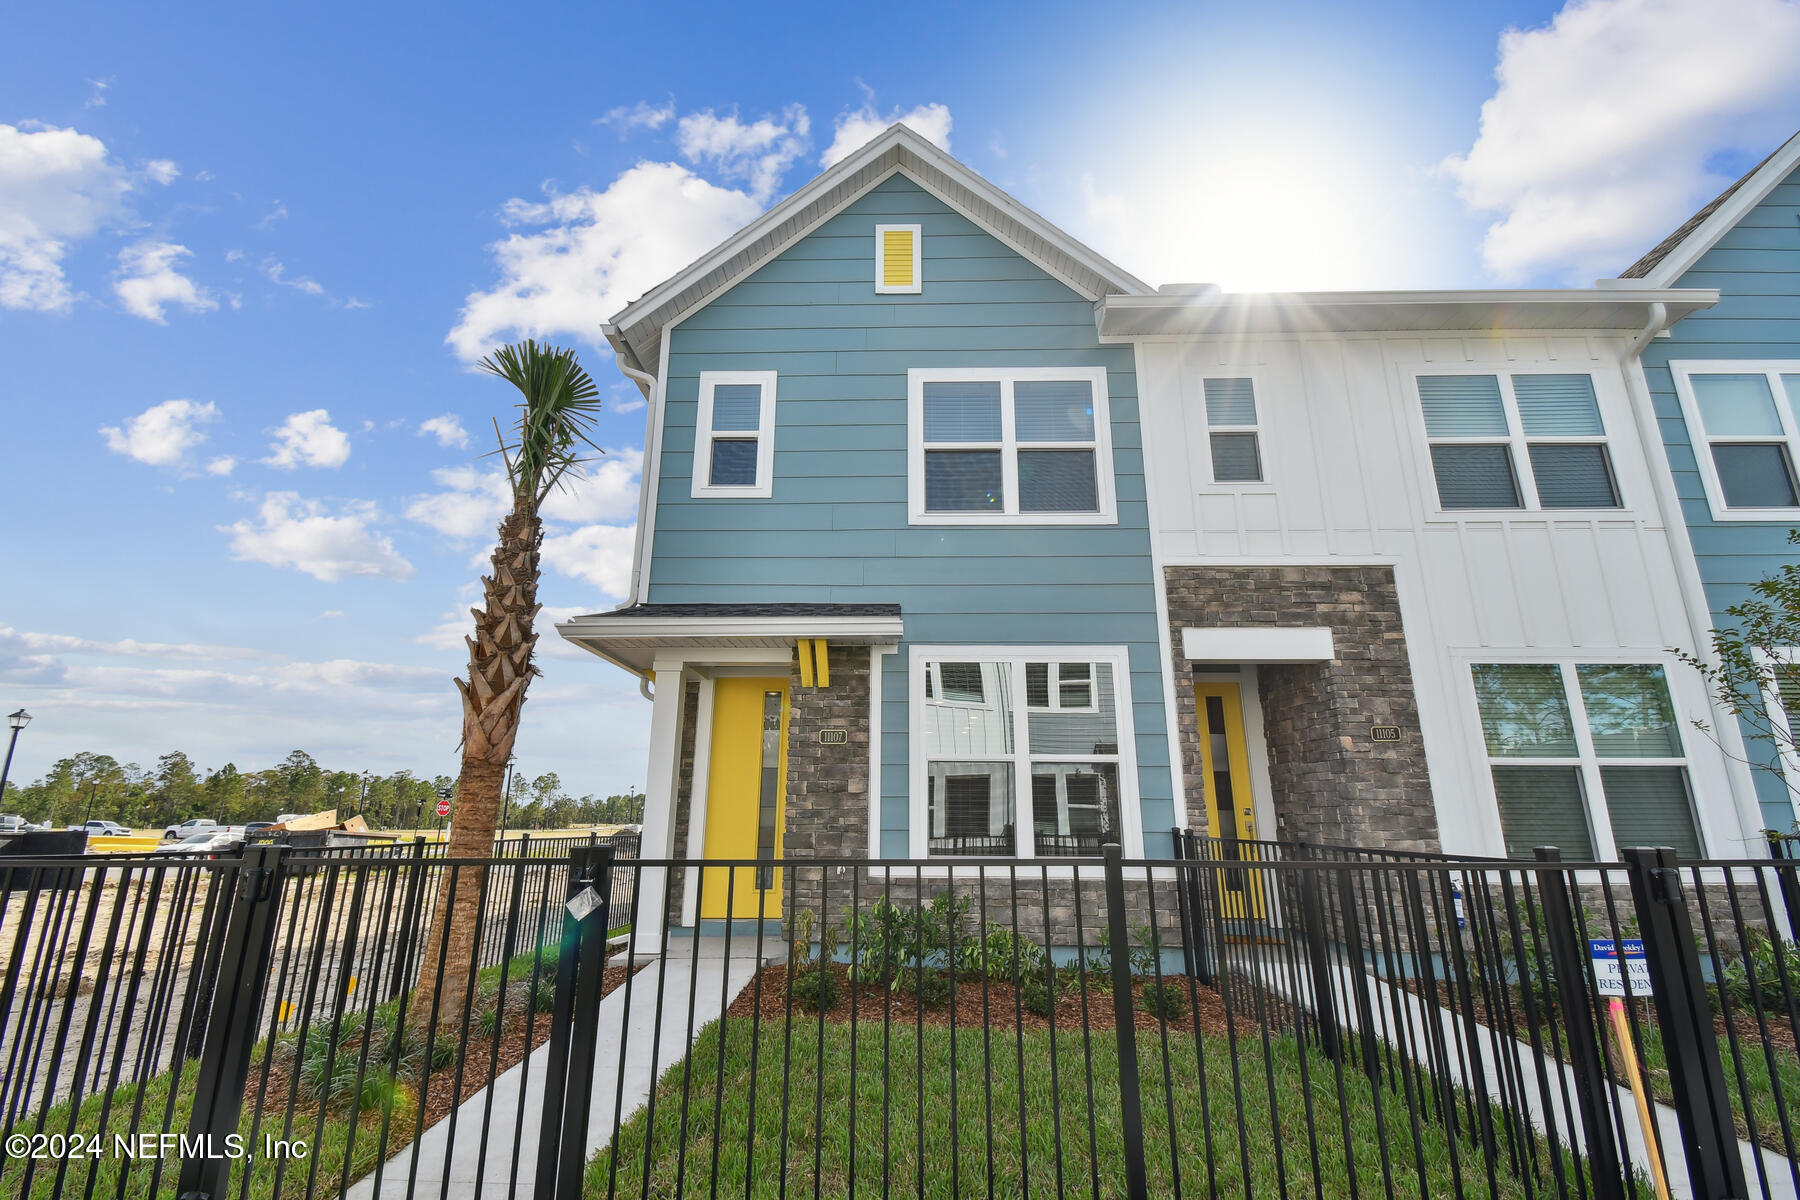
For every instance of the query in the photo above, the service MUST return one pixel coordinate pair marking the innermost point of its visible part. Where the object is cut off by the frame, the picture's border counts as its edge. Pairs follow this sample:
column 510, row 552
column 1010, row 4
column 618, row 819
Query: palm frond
column 558, row 406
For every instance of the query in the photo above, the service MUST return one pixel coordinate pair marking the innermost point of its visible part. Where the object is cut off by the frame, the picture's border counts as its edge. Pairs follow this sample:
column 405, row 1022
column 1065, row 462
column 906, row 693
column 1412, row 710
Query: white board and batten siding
column 1349, row 481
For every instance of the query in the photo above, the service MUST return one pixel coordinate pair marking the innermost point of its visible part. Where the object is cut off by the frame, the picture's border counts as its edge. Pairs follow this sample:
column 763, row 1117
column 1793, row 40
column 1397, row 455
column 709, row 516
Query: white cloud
column 162, row 171
column 308, row 439
column 277, row 213
column 1599, row 138
column 596, row 252
column 857, row 128
column 148, row 281
column 447, row 429
column 639, row 116
column 474, row 499
column 626, row 398
column 98, row 98
column 162, row 434
column 304, row 535
column 223, row 465
column 759, row 152
column 597, row 554
column 329, row 614
column 56, row 186
column 126, row 647
column 277, row 273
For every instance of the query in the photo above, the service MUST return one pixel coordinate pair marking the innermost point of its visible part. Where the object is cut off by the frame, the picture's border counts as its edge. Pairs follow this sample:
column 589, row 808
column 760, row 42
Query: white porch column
column 660, row 781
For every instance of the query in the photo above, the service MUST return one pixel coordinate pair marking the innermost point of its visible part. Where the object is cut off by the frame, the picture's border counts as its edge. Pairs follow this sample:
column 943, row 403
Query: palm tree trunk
column 500, row 669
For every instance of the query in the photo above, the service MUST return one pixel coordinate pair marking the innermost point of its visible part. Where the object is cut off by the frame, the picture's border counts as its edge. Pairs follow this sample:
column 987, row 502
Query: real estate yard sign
column 1608, row 978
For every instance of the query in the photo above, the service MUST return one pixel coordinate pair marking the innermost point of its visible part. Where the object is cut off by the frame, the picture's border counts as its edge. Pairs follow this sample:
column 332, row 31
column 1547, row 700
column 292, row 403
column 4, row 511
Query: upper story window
column 1231, row 431
column 1517, row 440
column 1015, row 445
column 734, row 434
column 899, row 250
column 1742, row 418
column 1586, row 757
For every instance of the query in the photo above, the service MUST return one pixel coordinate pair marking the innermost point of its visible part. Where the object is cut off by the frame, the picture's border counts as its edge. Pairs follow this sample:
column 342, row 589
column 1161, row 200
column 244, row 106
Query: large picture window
column 1003, row 778
column 1744, row 419
column 1013, row 445
column 1586, row 757
column 1518, row 440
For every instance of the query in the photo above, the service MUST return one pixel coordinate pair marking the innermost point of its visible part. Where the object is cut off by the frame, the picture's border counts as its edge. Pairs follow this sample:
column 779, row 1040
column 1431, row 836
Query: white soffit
column 1298, row 645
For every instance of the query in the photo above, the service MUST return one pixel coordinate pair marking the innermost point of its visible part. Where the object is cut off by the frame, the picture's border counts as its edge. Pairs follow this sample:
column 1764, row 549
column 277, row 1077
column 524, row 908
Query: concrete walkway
column 1403, row 1020
column 472, row 1152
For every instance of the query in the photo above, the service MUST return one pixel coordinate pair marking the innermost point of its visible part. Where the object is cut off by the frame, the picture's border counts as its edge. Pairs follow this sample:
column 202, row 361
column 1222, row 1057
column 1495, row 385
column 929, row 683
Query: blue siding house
column 1725, row 386
column 893, row 588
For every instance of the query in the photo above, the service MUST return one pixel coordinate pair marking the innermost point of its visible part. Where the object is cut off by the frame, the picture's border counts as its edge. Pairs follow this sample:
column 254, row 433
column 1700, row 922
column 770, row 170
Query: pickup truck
column 187, row 829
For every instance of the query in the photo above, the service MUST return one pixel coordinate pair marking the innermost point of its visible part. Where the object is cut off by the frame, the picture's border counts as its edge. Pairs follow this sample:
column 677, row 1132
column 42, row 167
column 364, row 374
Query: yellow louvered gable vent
column 897, row 255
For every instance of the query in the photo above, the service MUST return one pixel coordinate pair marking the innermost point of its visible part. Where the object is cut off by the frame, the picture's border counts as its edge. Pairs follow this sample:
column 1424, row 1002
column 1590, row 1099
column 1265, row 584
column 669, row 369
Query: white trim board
column 1251, row 644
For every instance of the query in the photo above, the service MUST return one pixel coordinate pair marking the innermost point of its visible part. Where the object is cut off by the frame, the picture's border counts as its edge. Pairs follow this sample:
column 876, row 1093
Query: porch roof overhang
column 1624, row 307
column 635, row 637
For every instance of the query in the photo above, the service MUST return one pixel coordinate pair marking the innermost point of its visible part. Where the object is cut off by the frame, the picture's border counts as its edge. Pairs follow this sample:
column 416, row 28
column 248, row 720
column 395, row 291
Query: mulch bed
column 994, row 1005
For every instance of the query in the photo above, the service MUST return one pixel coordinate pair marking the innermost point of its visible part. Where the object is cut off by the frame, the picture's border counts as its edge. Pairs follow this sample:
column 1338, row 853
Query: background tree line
column 99, row 786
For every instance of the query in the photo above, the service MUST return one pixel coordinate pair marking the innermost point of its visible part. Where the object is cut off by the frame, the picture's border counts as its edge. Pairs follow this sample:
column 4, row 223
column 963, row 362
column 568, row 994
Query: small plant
column 816, row 989
column 1037, row 995
column 1756, row 978
column 944, row 924
column 1147, row 952
column 885, row 940
column 1009, row 957
column 543, row 994
column 443, row 1052
column 1163, row 1000
column 931, row 988
column 815, row 984
column 487, row 1022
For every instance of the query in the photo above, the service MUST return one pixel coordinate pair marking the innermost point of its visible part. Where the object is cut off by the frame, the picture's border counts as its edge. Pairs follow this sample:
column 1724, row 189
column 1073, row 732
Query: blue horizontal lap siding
column 835, row 529
column 1756, row 267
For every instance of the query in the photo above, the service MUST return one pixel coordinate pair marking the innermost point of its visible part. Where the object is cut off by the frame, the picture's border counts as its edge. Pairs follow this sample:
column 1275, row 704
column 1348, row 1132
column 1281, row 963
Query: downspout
column 1681, row 549
column 646, row 381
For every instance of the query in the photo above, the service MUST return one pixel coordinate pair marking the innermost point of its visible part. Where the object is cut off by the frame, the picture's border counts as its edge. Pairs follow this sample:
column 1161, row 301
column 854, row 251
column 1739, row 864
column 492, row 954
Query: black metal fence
column 1242, row 1020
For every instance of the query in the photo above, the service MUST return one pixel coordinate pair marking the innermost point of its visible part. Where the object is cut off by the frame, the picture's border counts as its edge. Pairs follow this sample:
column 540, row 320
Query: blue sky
column 246, row 253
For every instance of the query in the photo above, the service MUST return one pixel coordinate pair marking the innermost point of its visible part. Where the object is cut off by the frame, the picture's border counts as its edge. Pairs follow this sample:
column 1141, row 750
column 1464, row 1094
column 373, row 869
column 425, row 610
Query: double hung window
column 1231, row 431
column 1586, row 757
column 1518, row 440
column 1744, row 418
column 1004, row 779
column 734, row 434
column 1013, row 445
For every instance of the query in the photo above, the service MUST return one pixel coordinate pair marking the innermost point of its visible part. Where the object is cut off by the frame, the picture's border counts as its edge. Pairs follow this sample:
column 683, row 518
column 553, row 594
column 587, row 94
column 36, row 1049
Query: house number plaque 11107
column 833, row 737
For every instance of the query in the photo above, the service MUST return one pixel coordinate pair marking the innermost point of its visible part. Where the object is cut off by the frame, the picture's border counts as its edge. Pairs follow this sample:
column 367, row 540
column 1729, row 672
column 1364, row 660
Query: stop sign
column 443, row 808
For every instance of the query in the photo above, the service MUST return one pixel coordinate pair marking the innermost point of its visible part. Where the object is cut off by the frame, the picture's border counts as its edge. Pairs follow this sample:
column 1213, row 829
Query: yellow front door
column 1230, row 811
column 746, row 797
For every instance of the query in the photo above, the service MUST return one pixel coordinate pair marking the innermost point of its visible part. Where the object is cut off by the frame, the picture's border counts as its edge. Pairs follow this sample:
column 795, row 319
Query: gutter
column 1687, row 567
column 647, row 381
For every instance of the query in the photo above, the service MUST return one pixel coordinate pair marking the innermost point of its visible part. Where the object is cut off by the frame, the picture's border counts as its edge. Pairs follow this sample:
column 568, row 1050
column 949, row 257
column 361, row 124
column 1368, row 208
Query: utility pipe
column 648, row 382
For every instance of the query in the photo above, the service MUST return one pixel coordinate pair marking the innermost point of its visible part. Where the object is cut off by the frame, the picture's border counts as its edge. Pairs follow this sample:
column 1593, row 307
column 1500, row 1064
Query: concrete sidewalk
column 474, row 1150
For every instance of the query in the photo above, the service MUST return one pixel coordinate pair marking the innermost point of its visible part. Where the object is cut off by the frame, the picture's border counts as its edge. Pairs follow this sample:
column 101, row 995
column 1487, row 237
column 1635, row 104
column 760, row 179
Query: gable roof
column 636, row 331
column 1674, row 255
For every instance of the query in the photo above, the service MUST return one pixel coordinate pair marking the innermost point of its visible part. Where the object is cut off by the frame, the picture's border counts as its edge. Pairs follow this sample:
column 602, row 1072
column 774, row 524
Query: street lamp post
column 18, row 721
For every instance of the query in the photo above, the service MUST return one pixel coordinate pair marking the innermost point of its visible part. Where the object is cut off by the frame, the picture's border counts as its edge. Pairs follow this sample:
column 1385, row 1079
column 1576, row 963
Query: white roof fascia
column 896, row 137
column 607, row 627
column 1680, row 261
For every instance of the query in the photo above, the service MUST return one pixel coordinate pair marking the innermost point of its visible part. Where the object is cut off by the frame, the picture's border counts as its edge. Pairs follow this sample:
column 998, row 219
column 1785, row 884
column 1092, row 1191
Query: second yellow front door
column 746, row 801
column 1230, row 811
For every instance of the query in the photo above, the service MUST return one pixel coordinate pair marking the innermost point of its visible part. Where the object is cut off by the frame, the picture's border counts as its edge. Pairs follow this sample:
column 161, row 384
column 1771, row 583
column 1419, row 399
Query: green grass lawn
column 869, row 1131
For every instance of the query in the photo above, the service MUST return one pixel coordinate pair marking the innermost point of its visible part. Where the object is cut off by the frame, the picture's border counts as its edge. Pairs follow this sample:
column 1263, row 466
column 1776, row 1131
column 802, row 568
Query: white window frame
column 1599, row 816
column 1009, row 446
column 1781, row 722
column 919, row 806
column 1701, row 444
column 1213, row 483
column 1517, row 442
column 918, row 247
column 704, row 436
column 937, row 688
column 1055, row 687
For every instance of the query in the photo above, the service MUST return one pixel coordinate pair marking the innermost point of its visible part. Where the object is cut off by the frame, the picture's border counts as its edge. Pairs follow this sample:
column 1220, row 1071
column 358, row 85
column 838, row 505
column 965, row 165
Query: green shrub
column 944, row 924
column 1164, row 1000
column 885, row 936
column 929, row 986
column 1037, row 996
column 543, row 994
column 1007, row 957
column 487, row 1022
column 1757, row 976
column 816, row 988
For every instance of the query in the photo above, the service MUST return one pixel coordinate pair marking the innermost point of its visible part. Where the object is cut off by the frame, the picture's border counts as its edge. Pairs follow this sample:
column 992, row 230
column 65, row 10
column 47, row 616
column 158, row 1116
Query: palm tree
column 560, row 402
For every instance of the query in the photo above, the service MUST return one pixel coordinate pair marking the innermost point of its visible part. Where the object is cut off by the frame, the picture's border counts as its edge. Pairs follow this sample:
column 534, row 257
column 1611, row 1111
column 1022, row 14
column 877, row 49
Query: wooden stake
column 1615, row 1010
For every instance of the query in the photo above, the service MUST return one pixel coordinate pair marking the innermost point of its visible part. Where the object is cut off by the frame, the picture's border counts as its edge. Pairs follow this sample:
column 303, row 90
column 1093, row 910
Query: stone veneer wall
column 684, row 793
column 827, row 786
column 1331, row 782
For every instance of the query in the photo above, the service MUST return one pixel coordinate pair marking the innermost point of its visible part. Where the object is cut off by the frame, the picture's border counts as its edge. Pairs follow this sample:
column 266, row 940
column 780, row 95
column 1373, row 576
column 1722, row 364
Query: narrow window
column 898, row 255
column 1471, row 452
column 1565, row 441
column 734, row 434
column 1231, row 431
column 1748, row 437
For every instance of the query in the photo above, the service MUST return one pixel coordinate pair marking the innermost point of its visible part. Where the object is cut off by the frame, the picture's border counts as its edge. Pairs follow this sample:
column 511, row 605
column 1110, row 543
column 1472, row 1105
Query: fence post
column 1591, row 1086
column 575, row 1025
column 1684, row 1014
column 1785, row 881
column 1131, row 1115
column 1318, row 959
column 231, row 1025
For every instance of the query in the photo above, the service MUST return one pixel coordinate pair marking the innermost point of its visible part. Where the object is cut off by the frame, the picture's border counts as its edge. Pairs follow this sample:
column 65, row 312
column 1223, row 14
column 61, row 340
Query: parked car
column 102, row 829
column 187, row 829
column 213, row 841
column 257, row 827
column 13, row 823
